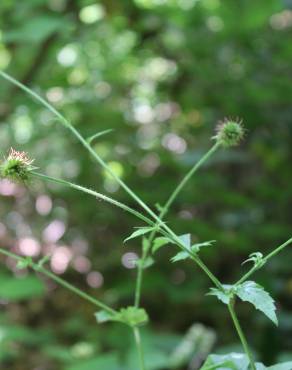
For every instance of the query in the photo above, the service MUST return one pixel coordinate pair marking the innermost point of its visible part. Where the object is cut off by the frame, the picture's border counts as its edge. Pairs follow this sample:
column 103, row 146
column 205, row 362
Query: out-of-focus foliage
column 160, row 73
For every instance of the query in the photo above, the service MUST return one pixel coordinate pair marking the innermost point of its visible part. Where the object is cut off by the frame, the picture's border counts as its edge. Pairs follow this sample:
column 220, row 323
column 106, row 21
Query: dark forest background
column 161, row 74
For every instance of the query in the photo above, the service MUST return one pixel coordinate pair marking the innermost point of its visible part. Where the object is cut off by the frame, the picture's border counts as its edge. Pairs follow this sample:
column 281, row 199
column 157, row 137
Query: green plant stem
column 75, row 290
column 139, row 278
column 175, row 238
column 139, row 346
column 187, row 177
column 81, row 139
column 162, row 213
column 60, row 281
column 85, row 143
column 204, row 268
column 95, row 194
column 241, row 334
column 194, row 257
column 264, row 261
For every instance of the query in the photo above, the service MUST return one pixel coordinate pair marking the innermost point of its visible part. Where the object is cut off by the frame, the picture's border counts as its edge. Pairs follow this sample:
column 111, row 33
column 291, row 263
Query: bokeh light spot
column 94, row 279
column 60, row 259
column 82, row 264
column 129, row 260
column 92, row 13
column 54, row 231
column 67, row 56
column 43, row 205
column 29, row 247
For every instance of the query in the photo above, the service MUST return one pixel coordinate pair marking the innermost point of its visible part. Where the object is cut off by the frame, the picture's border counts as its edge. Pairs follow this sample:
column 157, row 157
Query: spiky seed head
column 229, row 132
column 17, row 166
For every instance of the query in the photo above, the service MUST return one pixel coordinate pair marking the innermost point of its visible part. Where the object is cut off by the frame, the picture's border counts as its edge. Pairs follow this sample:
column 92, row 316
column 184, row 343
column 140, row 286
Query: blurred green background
column 161, row 73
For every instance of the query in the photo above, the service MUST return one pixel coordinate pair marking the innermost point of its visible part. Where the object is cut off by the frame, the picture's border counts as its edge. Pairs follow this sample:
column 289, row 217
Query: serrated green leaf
column 160, row 242
column 24, row 263
column 195, row 248
column 147, row 263
column 185, row 240
column 252, row 292
column 139, row 232
column 256, row 258
column 226, row 365
column 283, row 366
column 222, row 296
column 232, row 361
column 104, row 316
column 97, row 135
column 180, row 256
column 131, row 316
column 238, row 361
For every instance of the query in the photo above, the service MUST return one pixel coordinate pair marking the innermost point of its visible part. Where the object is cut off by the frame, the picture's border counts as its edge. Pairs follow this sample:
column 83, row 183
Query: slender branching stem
column 139, row 346
column 81, row 139
column 139, row 278
column 175, row 238
column 87, row 146
column 277, row 250
column 264, row 261
column 241, row 334
column 156, row 222
column 207, row 271
column 162, row 214
column 195, row 258
column 38, row 268
column 187, row 177
column 75, row 290
column 96, row 195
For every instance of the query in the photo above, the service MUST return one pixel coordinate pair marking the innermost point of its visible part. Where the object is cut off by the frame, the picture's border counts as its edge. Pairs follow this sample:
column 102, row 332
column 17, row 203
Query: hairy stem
column 139, row 278
column 158, row 220
column 187, row 177
column 139, row 346
column 203, row 267
column 162, row 213
column 175, row 238
column 241, row 334
column 277, row 250
column 95, row 194
column 38, row 268
column 85, row 143
column 81, row 139
column 179, row 243
column 264, row 260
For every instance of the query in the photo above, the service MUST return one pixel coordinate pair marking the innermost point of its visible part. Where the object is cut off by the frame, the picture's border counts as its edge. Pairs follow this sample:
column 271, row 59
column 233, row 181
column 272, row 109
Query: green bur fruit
column 16, row 167
column 229, row 133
